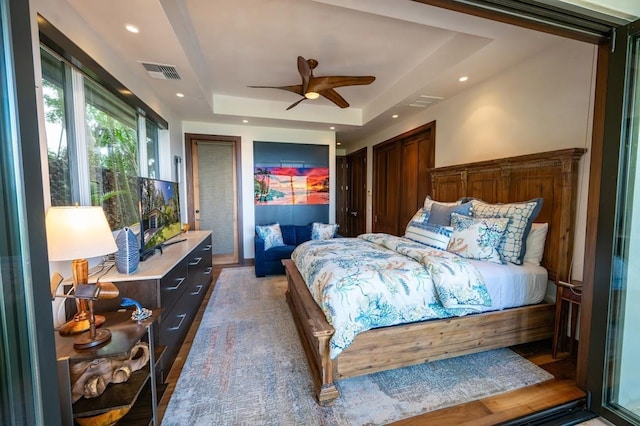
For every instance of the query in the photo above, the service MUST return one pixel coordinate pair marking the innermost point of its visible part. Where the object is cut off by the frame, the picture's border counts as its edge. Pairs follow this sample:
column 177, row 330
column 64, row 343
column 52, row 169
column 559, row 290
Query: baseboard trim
column 567, row 414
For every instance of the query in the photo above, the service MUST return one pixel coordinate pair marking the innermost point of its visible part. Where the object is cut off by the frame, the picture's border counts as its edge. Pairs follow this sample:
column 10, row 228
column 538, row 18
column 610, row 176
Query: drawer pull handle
column 195, row 261
column 175, row 287
column 182, row 317
column 195, row 293
column 208, row 270
column 207, row 248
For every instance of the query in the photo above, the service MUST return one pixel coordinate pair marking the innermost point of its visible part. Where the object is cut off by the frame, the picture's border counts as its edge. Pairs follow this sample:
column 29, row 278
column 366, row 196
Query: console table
column 176, row 280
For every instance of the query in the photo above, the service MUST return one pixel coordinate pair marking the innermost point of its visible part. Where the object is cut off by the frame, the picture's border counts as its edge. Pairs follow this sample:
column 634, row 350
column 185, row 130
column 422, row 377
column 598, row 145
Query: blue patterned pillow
column 522, row 214
column 323, row 231
column 271, row 234
column 477, row 238
column 435, row 236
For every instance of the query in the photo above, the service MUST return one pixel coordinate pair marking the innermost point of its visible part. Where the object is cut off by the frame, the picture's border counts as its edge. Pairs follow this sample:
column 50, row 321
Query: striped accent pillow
column 436, row 236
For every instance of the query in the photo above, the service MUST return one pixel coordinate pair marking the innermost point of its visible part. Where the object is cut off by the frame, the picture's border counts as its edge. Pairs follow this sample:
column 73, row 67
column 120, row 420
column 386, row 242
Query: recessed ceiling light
column 463, row 79
column 332, row 127
column 338, row 143
column 394, row 116
column 245, row 121
column 132, row 28
column 125, row 92
column 180, row 95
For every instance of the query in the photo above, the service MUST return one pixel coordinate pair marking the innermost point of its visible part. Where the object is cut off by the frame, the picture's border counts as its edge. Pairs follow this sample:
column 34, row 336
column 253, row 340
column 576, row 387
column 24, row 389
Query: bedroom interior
column 534, row 122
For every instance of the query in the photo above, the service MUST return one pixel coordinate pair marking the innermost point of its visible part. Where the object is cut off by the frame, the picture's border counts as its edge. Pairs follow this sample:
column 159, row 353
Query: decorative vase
column 128, row 254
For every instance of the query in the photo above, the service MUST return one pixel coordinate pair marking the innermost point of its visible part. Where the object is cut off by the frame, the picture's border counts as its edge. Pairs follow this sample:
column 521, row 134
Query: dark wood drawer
column 200, row 265
column 174, row 327
column 173, row 285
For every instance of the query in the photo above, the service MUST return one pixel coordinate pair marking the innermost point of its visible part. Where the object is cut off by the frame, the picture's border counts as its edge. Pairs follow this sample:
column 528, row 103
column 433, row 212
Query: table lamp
column 76, row 233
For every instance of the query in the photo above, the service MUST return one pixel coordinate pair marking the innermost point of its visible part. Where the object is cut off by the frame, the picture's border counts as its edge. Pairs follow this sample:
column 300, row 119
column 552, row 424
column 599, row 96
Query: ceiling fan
column 313, row 87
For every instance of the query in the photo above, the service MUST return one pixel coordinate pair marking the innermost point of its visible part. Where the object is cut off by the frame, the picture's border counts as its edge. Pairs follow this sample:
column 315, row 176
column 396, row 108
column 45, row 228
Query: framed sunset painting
column 291, row 185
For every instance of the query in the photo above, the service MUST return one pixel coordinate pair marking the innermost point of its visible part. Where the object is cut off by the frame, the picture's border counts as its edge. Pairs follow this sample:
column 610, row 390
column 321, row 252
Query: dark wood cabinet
column 176, row 280
column 401, row 178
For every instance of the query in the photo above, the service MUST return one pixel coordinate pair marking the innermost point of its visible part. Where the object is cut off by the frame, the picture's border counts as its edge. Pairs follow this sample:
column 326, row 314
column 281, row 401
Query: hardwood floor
column 487, row 411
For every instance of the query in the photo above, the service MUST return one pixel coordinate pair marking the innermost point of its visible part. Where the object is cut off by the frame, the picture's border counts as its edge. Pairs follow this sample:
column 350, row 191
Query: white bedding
column 512, row 285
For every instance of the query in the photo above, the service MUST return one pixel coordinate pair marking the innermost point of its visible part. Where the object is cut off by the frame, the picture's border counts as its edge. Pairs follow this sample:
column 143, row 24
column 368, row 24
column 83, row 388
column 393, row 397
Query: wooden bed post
column 315, row 333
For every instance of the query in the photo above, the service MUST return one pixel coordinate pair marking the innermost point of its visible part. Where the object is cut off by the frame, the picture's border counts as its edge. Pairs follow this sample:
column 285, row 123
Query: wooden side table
column 568, row 299
column 125, row 333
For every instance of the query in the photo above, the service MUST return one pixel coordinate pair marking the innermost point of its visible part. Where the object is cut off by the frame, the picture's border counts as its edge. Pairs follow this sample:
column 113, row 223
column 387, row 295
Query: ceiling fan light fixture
column 312, row 95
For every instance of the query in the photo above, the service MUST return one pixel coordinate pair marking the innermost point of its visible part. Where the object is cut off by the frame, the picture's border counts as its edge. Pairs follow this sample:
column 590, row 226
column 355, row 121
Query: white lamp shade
column 78, row 232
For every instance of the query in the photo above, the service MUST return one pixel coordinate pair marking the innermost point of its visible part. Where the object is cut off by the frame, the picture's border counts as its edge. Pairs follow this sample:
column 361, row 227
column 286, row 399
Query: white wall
column 249, row 134
column 542, row 104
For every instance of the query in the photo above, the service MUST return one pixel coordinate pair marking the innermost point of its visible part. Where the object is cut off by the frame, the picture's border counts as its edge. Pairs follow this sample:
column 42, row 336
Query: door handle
column 354, row 213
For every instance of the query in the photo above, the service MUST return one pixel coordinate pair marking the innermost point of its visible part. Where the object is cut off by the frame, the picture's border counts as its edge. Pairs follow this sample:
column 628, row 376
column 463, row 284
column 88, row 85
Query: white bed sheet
column 513, row 285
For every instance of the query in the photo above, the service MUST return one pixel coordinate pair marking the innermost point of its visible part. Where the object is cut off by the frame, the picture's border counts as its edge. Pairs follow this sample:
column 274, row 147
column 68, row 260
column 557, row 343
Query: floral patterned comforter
column 378, row 280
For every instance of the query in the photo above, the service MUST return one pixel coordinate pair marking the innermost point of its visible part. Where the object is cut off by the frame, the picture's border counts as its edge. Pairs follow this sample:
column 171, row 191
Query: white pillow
column 477, row 238
column 428, row 202
column 535, row 243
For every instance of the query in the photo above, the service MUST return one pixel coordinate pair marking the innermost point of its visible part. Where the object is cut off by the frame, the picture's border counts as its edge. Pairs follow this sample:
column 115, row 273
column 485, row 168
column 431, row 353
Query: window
column 153, row 165
column 53, row 83
column 112, row 147
column 93, row 142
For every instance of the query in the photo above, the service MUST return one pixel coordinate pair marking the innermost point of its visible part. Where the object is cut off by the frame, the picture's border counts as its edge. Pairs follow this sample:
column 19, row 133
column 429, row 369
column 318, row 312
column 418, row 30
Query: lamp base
column 85, row 341
column 78, row 324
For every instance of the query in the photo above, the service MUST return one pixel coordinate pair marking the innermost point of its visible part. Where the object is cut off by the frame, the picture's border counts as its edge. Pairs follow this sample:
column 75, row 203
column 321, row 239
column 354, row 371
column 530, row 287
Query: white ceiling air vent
column 424, row 101
column 161, row 71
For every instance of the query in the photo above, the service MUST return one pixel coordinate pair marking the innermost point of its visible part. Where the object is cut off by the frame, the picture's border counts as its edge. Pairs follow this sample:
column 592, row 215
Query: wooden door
column 402, row 178
column 418, row 158
column 357, row 192
column 386, row 187
column 342, row 185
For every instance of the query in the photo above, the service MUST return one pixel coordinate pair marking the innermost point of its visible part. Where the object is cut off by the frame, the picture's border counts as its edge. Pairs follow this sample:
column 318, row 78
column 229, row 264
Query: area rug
column 247, row 367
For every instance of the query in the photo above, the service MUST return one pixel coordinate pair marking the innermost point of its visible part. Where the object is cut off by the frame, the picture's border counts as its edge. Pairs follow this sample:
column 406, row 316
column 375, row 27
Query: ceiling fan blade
column 318, row 84
column 296, row 103
column 334, row 97
column 305, row 72
column 297, row 89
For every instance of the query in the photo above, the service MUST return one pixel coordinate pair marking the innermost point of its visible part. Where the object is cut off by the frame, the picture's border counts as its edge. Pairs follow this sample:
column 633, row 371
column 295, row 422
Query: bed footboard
column 406, row 344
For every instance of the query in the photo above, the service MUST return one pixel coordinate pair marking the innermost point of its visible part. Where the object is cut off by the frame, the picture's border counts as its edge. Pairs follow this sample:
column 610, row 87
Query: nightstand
column 568, row 299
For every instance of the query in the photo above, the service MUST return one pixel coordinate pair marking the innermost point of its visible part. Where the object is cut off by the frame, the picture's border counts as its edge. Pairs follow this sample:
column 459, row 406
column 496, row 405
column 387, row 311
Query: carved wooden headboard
column 551, row 175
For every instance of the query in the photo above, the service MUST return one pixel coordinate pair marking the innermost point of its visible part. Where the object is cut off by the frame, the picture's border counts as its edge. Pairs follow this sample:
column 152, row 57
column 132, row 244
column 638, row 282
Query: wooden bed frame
column 550, row 175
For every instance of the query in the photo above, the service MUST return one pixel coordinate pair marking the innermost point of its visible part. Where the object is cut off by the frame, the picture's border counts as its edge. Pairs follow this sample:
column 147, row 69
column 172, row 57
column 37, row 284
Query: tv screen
column 159, row 213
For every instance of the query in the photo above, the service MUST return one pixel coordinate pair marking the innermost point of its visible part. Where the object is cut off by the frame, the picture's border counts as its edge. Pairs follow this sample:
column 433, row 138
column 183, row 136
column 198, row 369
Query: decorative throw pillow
column 271, row 234
column 535, row 243
column 323, row 231
column 435, row 236
column 522, row 214
column 421, row 216
column 477, row 238
column 441, row 213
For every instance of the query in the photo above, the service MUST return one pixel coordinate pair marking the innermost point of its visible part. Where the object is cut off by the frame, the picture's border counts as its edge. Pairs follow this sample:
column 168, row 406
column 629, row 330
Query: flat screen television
column 159, row 213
